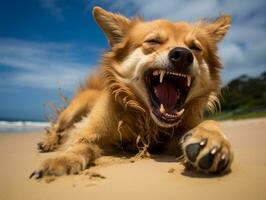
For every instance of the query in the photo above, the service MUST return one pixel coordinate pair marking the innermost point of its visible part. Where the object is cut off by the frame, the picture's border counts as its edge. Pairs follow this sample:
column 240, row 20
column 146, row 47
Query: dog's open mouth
column 168, row 91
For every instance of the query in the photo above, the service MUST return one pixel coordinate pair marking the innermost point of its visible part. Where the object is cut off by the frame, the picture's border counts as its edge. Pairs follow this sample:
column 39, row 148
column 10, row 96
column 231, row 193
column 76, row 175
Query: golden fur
column 112, row 110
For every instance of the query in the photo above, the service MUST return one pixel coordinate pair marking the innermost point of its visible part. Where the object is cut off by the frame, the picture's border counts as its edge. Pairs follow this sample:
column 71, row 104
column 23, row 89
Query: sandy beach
column 160, row 178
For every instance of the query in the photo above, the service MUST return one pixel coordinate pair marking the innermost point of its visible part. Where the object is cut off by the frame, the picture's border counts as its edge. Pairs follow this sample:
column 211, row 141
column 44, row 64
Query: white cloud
column 231, row 54
column 52, row 7
column 42, row 65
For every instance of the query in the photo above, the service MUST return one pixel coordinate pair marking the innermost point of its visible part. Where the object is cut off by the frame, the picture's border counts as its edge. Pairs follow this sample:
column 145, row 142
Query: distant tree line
column 244, row 94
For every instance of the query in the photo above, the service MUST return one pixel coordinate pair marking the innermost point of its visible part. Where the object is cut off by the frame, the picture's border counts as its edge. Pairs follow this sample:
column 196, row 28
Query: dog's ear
column 218, row 28
column 113, row 25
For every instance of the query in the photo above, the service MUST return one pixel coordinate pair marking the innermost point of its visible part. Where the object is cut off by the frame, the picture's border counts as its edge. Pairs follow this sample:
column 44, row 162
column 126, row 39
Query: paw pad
column 206, row 161
column 192, row 150
column 207, row 150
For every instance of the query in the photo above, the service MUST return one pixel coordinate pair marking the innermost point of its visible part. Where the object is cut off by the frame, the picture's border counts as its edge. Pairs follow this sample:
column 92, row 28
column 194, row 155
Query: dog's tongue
column 167, row 95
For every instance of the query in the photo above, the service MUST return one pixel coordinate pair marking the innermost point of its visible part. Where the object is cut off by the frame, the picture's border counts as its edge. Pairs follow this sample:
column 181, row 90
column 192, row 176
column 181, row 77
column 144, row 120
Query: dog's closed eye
column 153, row 41
column 151, row 44
column 196, row 46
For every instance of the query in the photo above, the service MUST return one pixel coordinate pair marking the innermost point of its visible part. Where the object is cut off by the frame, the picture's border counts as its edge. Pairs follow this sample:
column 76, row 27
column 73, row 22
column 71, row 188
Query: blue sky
column 51, row 44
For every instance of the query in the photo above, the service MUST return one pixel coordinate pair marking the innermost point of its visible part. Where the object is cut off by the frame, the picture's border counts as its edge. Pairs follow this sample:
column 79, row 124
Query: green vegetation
column 244, row 97
column 225, row 116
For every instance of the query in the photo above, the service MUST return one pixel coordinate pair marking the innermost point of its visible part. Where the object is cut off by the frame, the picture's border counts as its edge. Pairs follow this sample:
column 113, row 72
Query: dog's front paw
column 57, row 166
column 207, row 149
column 50, row 142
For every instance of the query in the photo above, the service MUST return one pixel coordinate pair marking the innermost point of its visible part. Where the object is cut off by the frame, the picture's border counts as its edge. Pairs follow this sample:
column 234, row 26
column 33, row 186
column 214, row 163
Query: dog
column 148, row 95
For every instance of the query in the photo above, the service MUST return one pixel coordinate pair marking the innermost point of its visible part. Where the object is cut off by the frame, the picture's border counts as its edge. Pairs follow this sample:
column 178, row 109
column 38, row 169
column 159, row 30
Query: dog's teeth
column 156, row 92
column 169, row 115
column 180, row 112
column 178, row 94
column 162, row 110
column 188, row 81
column 162, row 72
column 155, row 73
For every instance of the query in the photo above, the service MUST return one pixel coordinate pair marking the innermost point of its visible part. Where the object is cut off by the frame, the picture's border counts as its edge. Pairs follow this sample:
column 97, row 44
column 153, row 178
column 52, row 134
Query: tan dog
column 151, row 89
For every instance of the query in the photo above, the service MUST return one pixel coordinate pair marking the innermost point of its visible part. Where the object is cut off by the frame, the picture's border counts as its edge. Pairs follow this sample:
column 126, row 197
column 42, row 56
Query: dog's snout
column 180, row 57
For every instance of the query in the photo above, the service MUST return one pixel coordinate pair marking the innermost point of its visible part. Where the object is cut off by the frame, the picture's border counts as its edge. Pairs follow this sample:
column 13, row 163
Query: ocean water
column 22, row 126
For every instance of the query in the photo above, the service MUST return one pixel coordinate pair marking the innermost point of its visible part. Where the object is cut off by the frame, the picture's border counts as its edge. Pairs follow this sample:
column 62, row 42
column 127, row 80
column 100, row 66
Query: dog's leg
column 78, row 107
column 76, row 158
column 50, row 142
column 83, row 143
column 207, row 149
column 81, row 150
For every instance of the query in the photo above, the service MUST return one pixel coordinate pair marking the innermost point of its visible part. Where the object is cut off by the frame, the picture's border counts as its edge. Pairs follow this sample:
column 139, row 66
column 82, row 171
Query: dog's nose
column 180, row 58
